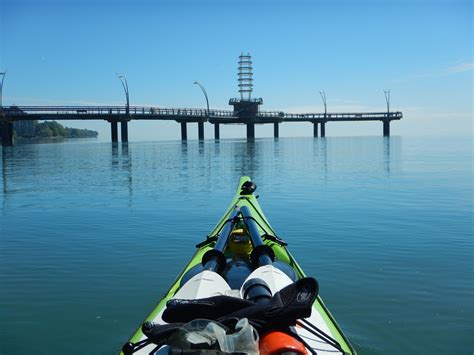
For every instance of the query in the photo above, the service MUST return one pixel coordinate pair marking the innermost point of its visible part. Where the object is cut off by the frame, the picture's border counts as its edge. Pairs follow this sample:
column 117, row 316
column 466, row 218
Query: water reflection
column 320, row 154
column 246, row 158
column 115, row 159
column 126, row 158
column 4, row 177
column 217, row 147
column 369, row 154
column 121, row 160
column 4, row 170
column 33, row 167
column 201, row 148
column 386, row 154
column 184, row 158
column 18, row 162
column 184, row 148
column 127, row 167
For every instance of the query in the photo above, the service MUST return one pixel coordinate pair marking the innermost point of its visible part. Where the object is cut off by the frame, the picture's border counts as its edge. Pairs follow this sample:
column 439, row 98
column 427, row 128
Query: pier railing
column 330, row 116
column 113, row 110
column 152, row 112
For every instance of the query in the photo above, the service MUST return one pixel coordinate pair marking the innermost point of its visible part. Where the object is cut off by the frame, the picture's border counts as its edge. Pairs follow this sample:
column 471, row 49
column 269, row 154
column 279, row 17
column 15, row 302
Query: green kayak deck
column 281, row 254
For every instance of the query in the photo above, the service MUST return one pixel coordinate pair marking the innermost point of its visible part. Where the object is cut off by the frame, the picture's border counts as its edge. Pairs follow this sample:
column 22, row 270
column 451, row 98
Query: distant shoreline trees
column 51, row 129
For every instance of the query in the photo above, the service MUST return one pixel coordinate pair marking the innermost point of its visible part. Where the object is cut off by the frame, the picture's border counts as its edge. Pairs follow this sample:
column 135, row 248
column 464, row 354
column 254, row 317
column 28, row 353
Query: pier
column 117, row 115
column 246, row 110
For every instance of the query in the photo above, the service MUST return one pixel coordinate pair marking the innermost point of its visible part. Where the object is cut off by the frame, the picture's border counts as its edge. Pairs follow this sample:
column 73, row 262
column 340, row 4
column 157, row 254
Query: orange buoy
column 275, row 343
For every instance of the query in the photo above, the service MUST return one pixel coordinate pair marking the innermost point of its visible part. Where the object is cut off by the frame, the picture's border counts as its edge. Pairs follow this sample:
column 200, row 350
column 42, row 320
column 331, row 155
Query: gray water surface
column 93, row 234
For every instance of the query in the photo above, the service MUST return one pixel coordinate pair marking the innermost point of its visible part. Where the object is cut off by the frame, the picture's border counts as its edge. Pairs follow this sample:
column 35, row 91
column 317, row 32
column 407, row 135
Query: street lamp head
column 121, row 76
column 123, row 80
column 323, row 96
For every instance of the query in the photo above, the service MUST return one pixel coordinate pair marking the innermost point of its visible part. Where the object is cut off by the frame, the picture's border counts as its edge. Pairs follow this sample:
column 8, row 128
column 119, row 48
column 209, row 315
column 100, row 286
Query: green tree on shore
column 55, row 129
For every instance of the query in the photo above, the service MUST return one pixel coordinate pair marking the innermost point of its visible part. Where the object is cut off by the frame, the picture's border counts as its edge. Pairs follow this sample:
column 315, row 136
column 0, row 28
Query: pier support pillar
column 386, row 128
column 315, row 129
column 250, row 130
column 7, row 134
column 200, row 131
column 114, row 131
column 184, row 131
column 323, row 129
column 216, row 131
column 276, row 130
column 124, row 131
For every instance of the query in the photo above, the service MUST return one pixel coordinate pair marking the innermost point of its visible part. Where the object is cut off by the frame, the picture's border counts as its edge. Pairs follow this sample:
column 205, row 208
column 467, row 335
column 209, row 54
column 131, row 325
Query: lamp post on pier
column 201, row 124
column 387, row 99
column 323, row 96
column 124, row 123
column 205, row 95
column 386, row 122
column 8, row 136
column 123, row 80
column 2, row 74
column 323, row 123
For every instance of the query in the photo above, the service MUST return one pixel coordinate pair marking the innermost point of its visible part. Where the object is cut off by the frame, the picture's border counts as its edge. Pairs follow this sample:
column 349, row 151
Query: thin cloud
column 422, row 113
column 460, row 68
column 454, row 69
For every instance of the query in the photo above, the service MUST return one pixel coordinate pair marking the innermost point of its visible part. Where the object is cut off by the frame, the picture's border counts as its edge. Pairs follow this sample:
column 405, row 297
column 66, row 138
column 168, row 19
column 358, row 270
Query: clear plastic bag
column 207, row 334
column 243, row 340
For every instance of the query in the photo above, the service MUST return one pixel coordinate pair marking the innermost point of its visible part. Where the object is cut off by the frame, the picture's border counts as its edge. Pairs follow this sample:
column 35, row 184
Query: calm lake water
column 93, row 234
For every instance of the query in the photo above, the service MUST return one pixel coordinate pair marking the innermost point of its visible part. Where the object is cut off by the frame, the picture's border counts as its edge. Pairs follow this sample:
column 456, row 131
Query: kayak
column 241, row 292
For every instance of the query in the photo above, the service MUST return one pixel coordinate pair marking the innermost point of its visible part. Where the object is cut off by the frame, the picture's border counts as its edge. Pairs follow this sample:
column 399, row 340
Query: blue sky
column 67, row 52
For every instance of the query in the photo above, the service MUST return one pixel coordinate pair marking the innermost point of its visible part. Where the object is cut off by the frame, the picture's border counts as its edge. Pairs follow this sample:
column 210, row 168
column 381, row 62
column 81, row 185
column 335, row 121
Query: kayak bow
column 244, row 272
